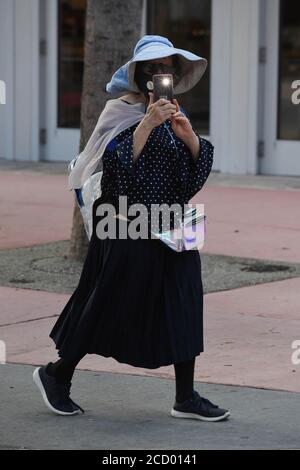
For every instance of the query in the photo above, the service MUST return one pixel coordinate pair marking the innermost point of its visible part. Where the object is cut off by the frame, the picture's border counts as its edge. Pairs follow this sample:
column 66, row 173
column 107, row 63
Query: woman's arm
column 200, row 168
column 140, row 137
column 194, row 146
column 156, row 114
column 130, row 152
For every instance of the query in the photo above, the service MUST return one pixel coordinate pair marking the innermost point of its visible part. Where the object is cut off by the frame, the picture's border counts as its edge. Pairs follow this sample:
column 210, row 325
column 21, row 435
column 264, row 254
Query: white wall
column 7, row 74
column 19, row 118
column 234, row 95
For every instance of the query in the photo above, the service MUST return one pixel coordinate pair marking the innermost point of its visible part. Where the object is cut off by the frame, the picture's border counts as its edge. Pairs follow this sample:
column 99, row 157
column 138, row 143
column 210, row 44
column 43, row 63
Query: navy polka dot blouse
column 160, row 174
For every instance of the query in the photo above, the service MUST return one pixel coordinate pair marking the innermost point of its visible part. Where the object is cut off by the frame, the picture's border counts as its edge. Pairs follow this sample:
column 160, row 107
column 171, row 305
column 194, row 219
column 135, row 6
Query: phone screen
column 163, row 86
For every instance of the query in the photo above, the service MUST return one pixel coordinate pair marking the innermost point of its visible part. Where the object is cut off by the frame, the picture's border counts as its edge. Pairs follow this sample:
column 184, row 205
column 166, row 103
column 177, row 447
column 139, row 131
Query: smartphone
column 163, row 86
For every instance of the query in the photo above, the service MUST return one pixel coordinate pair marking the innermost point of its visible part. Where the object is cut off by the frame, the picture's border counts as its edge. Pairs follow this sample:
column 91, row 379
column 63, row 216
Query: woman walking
column 137, row 300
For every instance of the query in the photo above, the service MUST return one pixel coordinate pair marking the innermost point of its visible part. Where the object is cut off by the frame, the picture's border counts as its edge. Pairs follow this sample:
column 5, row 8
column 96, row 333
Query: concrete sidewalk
column 248, row 335
column 132, row 412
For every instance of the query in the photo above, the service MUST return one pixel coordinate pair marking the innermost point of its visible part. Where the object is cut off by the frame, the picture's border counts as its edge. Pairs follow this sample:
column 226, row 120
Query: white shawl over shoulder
column 116, row 116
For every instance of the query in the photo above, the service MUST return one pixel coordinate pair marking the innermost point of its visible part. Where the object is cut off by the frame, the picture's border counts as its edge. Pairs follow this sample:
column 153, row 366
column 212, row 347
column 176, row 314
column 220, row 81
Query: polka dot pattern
column 158, row 175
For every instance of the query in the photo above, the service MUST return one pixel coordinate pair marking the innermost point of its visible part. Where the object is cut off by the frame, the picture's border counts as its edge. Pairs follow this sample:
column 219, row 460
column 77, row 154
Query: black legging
column 184, row 379
column 63, row 370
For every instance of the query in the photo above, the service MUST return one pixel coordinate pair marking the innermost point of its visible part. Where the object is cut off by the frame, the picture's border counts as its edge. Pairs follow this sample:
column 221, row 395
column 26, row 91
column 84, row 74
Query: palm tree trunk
column 112, row 29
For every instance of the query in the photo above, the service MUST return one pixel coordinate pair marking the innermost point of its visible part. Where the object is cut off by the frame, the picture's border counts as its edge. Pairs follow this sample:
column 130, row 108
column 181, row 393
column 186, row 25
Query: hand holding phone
column 158, row 112
column 160, row 107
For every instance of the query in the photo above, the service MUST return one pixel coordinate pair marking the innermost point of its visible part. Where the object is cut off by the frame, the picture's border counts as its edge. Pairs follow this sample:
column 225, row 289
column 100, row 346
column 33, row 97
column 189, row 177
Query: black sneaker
column 199, row 408
column 56, row 396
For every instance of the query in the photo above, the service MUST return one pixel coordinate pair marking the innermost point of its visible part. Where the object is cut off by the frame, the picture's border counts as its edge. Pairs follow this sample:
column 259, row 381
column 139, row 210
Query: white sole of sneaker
column 39, row 384
column 181, row 414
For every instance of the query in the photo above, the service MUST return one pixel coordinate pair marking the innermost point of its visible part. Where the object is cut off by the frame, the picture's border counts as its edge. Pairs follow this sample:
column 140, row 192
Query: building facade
column 246, row 104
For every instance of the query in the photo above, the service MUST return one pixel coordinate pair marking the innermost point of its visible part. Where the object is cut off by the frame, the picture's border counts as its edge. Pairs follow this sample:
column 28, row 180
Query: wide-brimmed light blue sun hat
column 151, row 47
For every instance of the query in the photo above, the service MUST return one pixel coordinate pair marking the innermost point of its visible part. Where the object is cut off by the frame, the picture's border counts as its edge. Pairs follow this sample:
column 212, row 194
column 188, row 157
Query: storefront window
column 187, row 24
column 289, row 70
column 71, row 28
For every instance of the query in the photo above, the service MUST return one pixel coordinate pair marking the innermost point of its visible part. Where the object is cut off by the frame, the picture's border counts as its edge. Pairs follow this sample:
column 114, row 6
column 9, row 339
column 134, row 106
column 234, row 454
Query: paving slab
column 35, row 208
column 251, row 222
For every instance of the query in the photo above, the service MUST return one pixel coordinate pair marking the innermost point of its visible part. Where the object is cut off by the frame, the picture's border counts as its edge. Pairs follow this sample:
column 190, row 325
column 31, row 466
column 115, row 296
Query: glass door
column 282, row 110
column 187, row 24
column 65, row 21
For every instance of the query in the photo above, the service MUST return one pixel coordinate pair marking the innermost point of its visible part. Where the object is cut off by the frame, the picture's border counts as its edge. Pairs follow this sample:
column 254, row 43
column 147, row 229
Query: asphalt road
column 133, row 412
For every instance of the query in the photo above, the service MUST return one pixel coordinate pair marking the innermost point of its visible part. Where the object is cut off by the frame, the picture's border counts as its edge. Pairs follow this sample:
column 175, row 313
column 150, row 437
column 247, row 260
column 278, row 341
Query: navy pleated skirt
column 136, row 301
